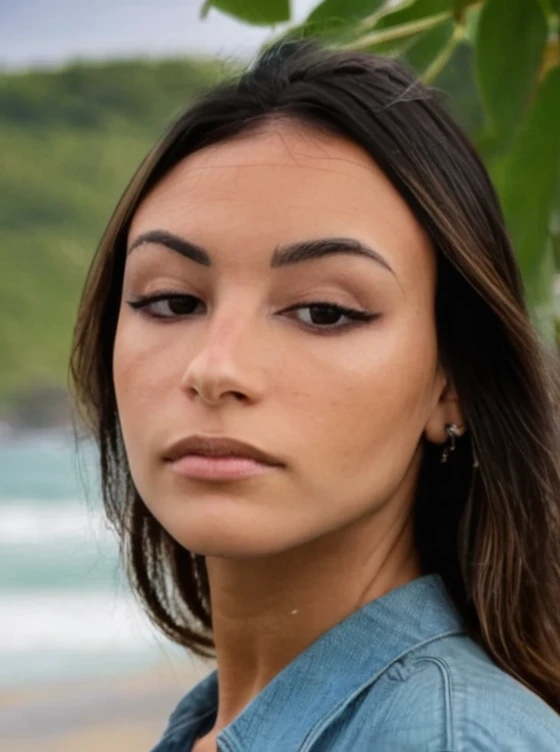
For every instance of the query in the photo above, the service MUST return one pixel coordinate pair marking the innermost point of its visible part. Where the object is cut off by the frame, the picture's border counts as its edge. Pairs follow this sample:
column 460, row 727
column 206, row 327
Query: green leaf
column 426, row 48
column 459, row 7
column 255, row 12
column 335, row 20
column 393, row 30
column 458, row 82
column 414, row 11
column 529, row 180
column 343, row 10
column 509, row 48
column 391, row 39
column 471, row 23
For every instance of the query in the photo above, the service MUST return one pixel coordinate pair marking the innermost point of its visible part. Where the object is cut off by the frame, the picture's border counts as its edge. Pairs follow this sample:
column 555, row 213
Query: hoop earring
column 451, row 431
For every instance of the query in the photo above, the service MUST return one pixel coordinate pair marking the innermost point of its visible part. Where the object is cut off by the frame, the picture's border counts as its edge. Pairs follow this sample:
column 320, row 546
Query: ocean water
column 65, row 608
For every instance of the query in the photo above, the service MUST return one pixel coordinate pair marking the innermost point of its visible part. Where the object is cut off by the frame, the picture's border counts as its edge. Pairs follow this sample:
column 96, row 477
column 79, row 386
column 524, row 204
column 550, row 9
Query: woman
column 327, row 432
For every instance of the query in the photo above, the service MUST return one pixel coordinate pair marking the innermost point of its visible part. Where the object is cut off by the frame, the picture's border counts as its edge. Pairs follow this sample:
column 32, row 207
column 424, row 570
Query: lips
column 210, row 446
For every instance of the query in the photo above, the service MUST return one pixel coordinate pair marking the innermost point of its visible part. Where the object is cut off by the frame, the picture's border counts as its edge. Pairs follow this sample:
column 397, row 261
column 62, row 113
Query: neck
column 267, row 611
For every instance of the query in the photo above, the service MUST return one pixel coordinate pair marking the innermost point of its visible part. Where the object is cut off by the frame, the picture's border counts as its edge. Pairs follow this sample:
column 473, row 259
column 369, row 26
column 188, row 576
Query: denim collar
column 327, row 675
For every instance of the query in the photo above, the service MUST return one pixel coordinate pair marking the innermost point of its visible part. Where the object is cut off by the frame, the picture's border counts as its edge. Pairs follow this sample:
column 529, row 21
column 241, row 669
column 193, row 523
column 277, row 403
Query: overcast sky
column 49, row 32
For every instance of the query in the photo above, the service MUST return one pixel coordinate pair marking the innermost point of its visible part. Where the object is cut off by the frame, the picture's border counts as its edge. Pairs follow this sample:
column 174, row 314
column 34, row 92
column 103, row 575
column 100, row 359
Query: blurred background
column 85, row 90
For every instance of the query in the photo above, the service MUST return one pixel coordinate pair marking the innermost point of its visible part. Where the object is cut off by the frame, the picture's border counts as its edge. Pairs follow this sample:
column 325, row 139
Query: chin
column 217, row 525
column 231, row 541
column 229, row 546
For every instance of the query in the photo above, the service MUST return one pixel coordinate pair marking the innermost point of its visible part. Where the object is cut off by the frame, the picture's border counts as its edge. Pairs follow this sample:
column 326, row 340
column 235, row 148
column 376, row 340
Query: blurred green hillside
column 70, row 140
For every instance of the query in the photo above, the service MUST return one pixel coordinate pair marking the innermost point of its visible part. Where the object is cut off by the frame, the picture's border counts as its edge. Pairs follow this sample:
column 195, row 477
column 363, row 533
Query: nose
column 226, row 364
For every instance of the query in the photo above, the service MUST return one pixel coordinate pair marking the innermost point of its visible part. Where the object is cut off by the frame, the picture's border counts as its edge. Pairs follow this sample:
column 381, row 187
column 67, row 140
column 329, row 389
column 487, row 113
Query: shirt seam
column 314, row 733
column 447, row 674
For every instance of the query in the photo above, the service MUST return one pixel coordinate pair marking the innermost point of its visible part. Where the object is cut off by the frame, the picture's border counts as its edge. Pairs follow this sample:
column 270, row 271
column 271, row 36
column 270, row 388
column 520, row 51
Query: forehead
column 287, row 182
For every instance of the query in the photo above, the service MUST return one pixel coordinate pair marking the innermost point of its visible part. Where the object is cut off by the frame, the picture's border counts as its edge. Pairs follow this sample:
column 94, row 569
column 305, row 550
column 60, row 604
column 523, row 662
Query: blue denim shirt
column 398, row 674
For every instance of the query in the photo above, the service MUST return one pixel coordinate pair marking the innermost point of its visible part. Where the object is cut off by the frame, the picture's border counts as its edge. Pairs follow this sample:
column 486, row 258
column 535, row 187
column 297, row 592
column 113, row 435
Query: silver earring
column 451, row 430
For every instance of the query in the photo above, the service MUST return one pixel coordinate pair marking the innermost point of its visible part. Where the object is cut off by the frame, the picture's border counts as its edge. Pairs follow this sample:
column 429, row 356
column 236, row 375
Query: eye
column 321, row 315
column 166, row 305
column 325, row 315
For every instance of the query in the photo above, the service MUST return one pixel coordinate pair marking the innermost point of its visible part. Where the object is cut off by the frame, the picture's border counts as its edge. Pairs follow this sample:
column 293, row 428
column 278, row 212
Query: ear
column 447, row 410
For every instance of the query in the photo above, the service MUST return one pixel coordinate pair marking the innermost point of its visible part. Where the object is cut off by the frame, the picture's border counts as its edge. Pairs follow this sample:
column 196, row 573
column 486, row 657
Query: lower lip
column 219, row 468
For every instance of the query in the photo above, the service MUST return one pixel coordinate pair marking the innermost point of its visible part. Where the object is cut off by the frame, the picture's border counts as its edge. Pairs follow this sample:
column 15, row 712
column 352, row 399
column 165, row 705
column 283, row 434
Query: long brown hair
column 493, row 531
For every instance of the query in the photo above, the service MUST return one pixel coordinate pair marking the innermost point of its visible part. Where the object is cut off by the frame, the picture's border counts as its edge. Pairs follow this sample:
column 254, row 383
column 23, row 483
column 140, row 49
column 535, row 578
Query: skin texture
column 292, row 552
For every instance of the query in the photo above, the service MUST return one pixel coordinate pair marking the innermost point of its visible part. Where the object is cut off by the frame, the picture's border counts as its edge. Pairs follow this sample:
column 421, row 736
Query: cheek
column 141, row 376
column 143, row 367
column 375, row 400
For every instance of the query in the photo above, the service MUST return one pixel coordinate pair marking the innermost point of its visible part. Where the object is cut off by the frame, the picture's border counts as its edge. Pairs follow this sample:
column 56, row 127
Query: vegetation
column 70, row 141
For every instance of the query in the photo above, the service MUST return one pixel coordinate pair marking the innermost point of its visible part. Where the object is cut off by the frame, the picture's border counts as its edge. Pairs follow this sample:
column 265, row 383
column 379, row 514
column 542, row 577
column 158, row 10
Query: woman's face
column 341, row 403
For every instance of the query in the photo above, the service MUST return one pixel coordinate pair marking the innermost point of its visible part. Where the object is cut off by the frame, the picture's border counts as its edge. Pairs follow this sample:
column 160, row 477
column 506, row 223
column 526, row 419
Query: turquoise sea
column 65, row 608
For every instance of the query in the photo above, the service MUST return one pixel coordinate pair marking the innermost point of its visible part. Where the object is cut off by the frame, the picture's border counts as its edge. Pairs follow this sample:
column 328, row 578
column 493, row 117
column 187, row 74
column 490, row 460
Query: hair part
column 492, row 533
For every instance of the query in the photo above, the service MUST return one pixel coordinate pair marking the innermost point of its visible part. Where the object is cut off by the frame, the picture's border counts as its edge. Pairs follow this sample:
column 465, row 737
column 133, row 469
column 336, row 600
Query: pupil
column 180, row 306
column 324, row 314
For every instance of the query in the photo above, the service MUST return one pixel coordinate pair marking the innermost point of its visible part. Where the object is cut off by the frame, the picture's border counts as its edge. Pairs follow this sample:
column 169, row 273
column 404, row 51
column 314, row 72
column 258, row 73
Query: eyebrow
column 285, row 255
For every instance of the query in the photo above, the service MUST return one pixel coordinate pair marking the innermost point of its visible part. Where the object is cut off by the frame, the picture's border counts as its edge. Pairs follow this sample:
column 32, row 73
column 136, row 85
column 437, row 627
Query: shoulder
column 192, row 716
column 449, row 696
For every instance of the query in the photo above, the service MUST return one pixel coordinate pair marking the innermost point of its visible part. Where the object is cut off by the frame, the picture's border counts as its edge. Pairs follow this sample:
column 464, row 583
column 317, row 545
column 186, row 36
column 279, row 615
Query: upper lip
column 211, row 446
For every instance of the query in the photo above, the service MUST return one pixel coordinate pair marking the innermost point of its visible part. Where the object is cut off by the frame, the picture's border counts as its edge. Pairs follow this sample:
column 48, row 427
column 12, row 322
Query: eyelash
column 356, row 316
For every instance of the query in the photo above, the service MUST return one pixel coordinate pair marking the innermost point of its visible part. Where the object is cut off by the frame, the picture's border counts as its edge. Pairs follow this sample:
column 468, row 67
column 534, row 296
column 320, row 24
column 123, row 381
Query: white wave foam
column 71, row 622
column 35, row 522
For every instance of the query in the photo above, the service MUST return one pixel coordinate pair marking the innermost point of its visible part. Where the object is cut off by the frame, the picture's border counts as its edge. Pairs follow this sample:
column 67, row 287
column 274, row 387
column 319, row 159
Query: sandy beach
column 113, row 714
